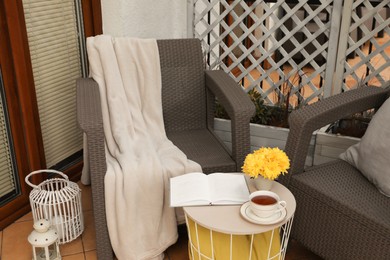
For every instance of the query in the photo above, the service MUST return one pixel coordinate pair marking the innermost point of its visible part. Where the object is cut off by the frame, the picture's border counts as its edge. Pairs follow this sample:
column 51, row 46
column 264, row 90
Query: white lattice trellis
column 366, row 40
column 274, row 45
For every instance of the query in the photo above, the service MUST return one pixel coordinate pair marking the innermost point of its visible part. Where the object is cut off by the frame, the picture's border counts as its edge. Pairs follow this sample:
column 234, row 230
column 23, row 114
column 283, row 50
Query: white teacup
column 265, row 204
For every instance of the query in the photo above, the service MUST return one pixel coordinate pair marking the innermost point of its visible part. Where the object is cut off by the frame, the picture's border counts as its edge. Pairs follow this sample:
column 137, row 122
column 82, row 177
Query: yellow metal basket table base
column 222, row 233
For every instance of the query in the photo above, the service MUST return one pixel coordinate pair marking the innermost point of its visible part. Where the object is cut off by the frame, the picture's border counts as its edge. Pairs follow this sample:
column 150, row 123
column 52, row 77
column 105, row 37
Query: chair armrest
column 304, row 121
column 239, row 108
column 89, row 117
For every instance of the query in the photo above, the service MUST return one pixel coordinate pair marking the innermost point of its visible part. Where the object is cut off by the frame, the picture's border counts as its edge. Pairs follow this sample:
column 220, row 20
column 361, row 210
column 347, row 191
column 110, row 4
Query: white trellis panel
column 362, row 57
column 279, row 44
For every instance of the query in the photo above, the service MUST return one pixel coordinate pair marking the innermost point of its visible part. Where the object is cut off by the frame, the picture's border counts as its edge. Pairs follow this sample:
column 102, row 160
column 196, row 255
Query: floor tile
column 86, row 196
column 79, row 256
column 295, row 251
column 26, row 217
column 179, row 251
column 88, row 236
column 71, row 248
column 15, row 244
column 90, row 255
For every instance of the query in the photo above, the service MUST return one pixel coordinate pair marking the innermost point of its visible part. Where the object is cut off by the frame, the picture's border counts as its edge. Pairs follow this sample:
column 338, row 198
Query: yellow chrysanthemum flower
column 267, row 162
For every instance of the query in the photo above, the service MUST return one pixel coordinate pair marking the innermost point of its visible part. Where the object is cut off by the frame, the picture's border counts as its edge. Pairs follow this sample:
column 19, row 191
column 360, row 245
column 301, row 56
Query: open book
column 214, row 189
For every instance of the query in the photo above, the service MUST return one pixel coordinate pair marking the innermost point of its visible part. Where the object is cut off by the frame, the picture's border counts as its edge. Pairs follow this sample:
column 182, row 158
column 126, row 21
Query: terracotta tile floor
column 14, row 244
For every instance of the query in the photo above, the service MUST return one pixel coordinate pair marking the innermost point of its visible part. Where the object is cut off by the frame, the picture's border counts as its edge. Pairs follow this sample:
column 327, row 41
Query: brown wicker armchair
column 340, row 214
column 188, row 95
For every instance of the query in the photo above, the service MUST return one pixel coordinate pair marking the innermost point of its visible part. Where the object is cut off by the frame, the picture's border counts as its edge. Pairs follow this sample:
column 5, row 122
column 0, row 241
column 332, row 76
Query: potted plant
column 334, row 139
column 269, row 125
column 265, row 165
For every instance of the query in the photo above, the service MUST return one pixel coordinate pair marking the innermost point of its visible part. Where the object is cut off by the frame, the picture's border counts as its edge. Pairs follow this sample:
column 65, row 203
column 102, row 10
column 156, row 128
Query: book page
column 228, row 188
column 190, row 189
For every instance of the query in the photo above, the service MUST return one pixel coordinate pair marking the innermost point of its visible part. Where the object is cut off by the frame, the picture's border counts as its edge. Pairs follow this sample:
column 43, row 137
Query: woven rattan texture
column 333, row 235
column 183, row 92
column 187, row 119
column 239, row 108
column 362, row 201
column 340, row 215
column 305, row 121
column 185, row 97
column 89, row 117
column 202, row 146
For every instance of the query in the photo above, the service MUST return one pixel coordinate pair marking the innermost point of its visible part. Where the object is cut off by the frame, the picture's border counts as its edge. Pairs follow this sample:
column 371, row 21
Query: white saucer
column 247, row 213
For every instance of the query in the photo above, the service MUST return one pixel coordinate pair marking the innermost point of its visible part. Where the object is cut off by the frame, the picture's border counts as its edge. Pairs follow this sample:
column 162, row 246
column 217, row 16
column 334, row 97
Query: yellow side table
column 229, row 232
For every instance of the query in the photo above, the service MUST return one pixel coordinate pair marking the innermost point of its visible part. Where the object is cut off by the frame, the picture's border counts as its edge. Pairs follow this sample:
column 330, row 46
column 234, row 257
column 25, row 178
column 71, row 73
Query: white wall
column 160, row 19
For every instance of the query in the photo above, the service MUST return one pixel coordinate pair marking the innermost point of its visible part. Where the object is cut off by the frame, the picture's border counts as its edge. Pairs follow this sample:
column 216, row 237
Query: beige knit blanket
column 140, row 158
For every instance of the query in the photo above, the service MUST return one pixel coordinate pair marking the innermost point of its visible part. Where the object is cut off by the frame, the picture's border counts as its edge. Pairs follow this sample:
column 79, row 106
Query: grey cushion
column 372, row 154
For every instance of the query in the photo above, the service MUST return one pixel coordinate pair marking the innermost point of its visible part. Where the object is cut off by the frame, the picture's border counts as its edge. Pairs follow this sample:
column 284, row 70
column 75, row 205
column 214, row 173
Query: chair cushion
column 343, row 188
column 371, row 154
column 203, row 147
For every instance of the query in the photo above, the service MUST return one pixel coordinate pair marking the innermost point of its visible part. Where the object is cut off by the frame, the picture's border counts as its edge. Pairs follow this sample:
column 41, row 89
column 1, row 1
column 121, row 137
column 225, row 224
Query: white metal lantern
column 59, row 201
column 44, row 241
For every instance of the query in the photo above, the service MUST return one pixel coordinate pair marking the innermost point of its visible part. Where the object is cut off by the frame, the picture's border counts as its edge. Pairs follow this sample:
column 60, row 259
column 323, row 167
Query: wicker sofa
column 188, row 100
column 340, row 214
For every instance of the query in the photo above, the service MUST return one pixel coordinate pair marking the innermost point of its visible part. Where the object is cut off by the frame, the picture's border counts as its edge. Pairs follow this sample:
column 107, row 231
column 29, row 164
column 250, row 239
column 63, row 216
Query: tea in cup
column 265, row 204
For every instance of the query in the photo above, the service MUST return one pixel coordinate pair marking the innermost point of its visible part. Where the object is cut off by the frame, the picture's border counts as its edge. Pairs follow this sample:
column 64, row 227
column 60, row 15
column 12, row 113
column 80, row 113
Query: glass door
column 9, row 181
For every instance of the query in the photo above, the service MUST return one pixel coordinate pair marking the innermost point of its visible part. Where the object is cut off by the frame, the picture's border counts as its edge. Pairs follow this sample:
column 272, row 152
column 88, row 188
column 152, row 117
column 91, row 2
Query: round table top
column 228, row 219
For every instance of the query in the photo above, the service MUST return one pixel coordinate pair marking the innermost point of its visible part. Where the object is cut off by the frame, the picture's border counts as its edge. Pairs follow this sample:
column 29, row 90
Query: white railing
column 310, row 48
